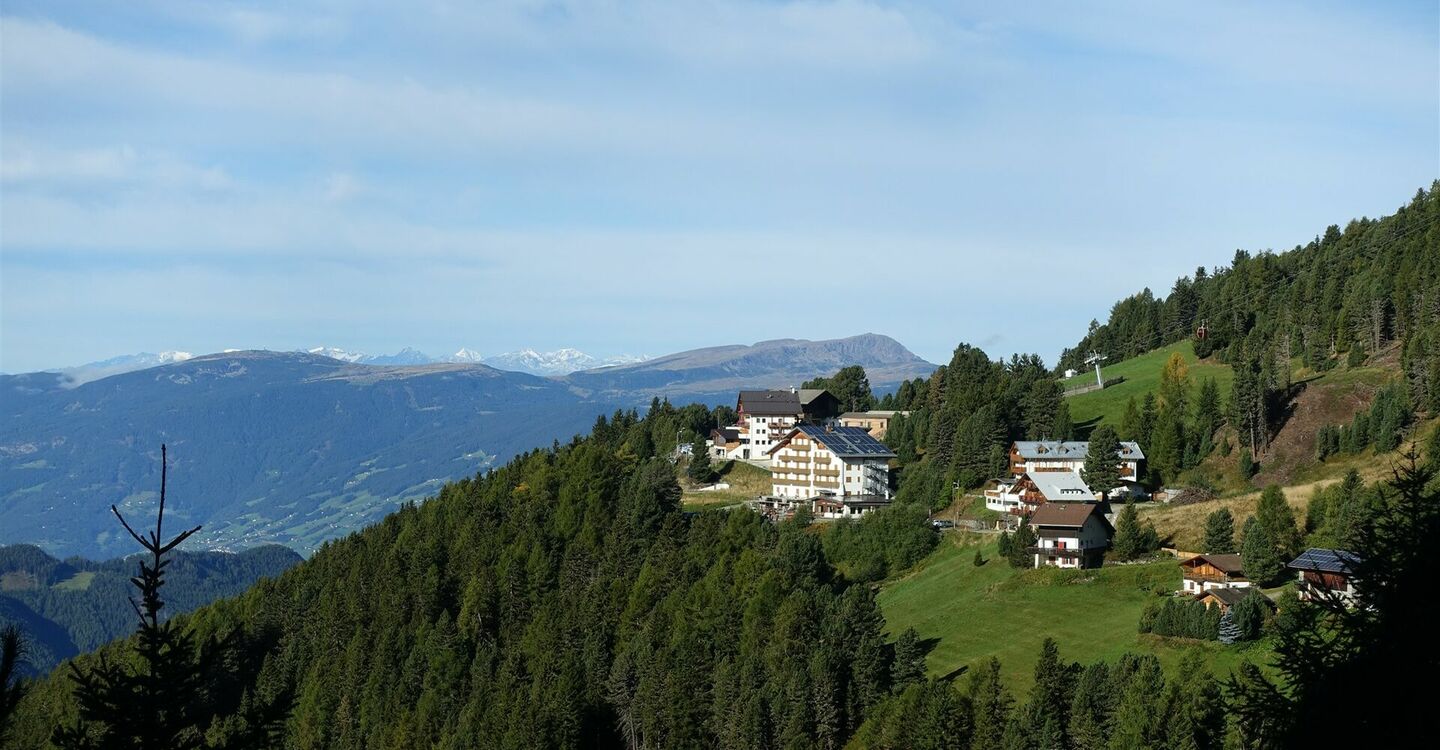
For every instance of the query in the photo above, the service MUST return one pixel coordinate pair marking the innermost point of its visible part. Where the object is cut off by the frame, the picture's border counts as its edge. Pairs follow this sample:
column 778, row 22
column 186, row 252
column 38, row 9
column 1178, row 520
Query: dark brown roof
column 769, row 403
column 1227, row 595
column 1228, row 563
column 1066, row 515
column 726, row 434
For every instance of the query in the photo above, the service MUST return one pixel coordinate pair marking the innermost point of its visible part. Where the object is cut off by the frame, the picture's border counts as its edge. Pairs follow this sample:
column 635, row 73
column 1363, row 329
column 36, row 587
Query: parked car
column 940, row 523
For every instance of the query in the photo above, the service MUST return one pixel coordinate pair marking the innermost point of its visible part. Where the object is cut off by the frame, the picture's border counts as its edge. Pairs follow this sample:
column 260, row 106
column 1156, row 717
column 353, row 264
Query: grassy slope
column 1142, row 374
column 746, row 482
column 995, row 610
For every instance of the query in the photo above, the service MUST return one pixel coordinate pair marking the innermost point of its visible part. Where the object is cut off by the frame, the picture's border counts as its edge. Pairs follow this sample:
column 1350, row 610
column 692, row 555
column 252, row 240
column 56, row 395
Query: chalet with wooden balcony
column 1070, row 535
column 1021, row 496
column 1036, row 456
column 1325, row 575
column 831, row 463
column 1204, row 572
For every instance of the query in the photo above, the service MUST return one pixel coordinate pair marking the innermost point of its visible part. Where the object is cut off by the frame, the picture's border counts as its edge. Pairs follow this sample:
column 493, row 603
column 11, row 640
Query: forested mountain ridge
column 563, row 600
column 74, row 606
column 1271, row 320
column 1375, row 282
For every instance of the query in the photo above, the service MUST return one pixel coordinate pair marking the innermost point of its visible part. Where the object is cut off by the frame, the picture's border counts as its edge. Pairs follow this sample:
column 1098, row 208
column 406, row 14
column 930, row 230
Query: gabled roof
column 1227, row 595
column 726, row 434
column 845, row 442
column 808, row 395
column 1229, row 564
column 1066, row 515
column 1071, row 449
column 1060, row 486
column 769, row 403
column 1325, row 560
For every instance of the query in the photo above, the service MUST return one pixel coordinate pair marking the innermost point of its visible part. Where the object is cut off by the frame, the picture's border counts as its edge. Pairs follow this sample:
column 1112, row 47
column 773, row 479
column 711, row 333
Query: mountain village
column 835, row 465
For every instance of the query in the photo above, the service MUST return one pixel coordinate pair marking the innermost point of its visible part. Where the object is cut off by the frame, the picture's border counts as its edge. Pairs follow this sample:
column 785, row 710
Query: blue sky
column 654, row 176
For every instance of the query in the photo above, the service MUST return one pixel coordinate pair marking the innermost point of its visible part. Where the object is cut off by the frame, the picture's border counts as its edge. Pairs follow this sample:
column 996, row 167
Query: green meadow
column 971, row 613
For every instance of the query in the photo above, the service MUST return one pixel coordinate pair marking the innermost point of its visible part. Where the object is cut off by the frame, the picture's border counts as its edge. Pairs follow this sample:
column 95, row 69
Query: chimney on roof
column 793, row 389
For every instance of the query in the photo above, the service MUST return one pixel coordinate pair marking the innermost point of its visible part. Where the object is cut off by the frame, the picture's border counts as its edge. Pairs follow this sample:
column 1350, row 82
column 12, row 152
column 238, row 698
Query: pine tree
column 1102, row 461
column 1247, row 464
column 992, row 705
column 1063, row 426
column 1090, row 708
column 1138, row 720
column 1276, row 516
column 1248, row 615
column 159, row 702
column 1220, row 532
column 700, row 470
column 12, row 685
column 1021, row 554
column 979, row 559
column 909, row 665
column 1051, row 696
column 1005, row 546
column 1128, row 542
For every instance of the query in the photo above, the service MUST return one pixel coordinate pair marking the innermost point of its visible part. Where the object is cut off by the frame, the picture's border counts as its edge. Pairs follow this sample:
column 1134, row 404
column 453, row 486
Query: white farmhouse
column 1070, row 535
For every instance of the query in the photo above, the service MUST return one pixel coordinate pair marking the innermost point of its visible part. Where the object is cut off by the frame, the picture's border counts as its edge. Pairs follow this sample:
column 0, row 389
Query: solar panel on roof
column 1326, row 560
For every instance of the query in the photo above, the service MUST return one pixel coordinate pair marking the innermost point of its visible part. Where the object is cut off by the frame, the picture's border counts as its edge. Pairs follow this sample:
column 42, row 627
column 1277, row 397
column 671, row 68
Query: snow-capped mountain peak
column 557, row 362
column 340, row 354
column 469, row 356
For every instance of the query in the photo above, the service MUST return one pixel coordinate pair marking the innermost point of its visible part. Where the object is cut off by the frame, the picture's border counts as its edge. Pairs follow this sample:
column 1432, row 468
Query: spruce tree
column 909, row 665
column 1128, row 535
column 700, row 470
column 1276, row 516
column 1229, row 630
column 1021, row 553
column 1220, row 532
column 1259, row 554
column 992, row 705
column 1090, row 708
column 1102, row 461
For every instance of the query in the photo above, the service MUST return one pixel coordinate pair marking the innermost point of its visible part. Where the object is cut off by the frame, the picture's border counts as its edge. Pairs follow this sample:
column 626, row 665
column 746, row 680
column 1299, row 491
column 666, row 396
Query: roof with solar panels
column 845, row 442
column 1326, row 560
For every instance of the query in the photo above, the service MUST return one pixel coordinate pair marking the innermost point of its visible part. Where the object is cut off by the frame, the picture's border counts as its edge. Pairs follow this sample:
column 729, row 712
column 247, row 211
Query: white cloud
column 26, row 165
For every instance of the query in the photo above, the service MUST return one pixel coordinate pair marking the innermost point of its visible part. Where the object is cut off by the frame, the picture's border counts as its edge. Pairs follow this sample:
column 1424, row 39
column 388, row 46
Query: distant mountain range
column 558, row 362
column 116, row 365
column 298, row 448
